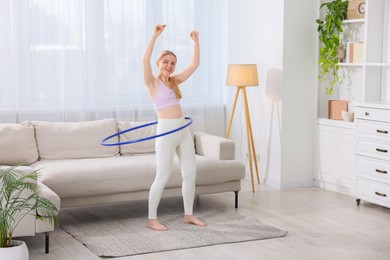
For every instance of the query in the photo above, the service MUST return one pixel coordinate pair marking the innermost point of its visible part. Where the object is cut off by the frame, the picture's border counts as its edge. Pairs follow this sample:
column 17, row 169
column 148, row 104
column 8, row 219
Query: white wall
column 255, row 35
column 299, row 63
column 262, row 32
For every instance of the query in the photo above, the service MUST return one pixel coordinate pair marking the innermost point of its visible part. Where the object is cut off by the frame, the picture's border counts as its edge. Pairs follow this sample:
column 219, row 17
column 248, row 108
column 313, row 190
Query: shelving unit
column 365, row 82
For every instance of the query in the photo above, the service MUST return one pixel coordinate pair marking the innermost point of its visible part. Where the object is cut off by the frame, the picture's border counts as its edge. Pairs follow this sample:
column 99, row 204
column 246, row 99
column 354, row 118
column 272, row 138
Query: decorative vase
column 17, row 251
column 347, row 116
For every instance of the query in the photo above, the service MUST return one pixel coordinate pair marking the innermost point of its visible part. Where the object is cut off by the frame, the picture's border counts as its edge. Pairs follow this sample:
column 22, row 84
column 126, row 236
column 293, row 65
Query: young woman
column 165, row 94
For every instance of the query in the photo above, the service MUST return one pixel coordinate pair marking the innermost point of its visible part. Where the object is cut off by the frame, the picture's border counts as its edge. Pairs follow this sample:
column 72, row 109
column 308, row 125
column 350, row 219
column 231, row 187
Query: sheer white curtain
column 77, row 60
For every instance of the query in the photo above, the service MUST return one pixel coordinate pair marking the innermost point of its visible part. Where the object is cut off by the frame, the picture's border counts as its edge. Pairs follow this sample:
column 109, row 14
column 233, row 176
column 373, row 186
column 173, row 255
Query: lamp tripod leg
column 250, row 134
column 250, row 155
column 255, row 158
column 232, row 114
column 254, row 151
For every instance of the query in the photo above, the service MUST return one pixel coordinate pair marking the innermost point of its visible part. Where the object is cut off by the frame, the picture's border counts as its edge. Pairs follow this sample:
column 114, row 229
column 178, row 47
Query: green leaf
column 15, row 203
column 329, row 30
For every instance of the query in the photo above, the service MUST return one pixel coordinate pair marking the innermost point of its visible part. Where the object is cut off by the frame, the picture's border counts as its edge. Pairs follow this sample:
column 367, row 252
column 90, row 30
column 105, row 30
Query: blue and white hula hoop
column 144, row 138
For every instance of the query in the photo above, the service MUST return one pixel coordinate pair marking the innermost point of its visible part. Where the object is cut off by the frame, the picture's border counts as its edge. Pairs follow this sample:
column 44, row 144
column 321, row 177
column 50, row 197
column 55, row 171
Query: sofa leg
column 236, row 199
column 197, row 199
column 46, row 242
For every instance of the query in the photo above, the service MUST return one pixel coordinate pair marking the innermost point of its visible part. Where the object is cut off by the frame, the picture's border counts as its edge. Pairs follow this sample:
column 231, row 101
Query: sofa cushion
column 141, row 147
column 75, row 140
column 97, row 176
column 17, row 144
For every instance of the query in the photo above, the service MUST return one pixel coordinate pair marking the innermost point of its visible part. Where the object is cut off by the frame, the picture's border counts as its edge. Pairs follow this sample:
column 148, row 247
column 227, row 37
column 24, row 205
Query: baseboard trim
column 336, row 188
column 289, row 185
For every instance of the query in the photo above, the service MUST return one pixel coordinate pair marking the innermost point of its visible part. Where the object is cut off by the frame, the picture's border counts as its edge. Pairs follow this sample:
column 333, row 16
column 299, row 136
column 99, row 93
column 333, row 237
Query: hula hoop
column 144, row 138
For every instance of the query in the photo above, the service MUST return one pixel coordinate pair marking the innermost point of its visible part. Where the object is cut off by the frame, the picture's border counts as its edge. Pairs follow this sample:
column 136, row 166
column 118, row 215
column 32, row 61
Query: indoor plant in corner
column 329, row 30
column 20, row 196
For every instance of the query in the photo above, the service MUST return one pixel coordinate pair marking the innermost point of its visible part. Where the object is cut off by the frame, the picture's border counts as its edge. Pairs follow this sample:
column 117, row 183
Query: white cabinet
column 372, row 153
column 335, row 150
column 366, row 81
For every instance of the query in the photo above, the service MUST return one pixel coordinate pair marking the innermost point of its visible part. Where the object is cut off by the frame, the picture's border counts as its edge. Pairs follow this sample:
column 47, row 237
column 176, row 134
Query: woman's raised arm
column 186, row 73
column 148, row 72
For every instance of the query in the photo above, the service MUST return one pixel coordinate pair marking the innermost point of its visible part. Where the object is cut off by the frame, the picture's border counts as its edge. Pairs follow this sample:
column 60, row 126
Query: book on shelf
column 354, row 52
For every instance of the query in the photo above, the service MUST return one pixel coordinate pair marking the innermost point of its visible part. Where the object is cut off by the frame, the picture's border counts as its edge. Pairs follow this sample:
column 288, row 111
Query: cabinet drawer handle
column 380, row 171
column 367, row 114
column 381, row 194
column 382, row 131
column 381, row 150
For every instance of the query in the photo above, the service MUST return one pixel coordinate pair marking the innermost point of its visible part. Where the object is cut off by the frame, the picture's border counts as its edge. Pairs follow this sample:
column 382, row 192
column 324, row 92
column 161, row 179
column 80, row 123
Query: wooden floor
column 321, row 224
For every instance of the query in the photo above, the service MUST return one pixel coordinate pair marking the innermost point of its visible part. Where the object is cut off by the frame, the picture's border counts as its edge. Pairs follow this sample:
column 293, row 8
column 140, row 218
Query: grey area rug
column 122, row 237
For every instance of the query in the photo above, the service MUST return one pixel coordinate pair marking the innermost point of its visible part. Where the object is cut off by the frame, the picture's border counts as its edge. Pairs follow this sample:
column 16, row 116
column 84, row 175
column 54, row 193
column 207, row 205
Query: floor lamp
column 242, row 76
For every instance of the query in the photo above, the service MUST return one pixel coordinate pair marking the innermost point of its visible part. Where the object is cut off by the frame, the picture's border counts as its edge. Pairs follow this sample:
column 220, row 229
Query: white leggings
column 181, row 143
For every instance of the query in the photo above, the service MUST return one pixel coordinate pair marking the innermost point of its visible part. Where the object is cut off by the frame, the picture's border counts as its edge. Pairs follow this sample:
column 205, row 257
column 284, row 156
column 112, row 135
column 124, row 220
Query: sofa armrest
column 214, row 147
column 46, row 192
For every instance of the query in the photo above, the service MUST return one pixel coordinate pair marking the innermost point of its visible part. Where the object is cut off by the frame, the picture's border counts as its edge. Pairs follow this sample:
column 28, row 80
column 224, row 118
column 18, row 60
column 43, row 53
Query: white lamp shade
column 242, row 75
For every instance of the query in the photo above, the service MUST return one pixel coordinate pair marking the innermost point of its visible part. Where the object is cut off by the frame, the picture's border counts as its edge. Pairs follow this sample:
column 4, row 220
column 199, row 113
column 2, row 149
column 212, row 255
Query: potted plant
column 20, row 196
column 329, row 30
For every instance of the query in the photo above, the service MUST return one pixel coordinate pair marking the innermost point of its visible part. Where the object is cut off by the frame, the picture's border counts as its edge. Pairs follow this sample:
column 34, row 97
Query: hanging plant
column 329, row 30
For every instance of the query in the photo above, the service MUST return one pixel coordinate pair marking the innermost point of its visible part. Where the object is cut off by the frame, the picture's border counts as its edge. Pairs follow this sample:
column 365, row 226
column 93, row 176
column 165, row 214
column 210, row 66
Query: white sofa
column 76, row 170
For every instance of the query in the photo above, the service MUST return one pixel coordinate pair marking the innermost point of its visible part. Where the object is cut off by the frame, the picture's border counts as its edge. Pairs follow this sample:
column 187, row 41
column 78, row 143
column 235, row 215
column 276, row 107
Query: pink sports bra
column 165, row 97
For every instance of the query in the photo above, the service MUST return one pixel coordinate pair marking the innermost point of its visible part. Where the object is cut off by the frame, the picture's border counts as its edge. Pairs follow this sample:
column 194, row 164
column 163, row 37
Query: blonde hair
column 172, row 81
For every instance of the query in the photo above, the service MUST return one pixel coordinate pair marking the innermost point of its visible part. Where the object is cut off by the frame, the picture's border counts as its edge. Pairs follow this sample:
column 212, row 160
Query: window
column 80, row 60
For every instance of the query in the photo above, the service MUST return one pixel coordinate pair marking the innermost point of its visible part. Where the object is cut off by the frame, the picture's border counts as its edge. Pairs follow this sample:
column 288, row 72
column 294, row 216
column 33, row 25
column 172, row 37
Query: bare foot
column 155, row 225
column 191, row 219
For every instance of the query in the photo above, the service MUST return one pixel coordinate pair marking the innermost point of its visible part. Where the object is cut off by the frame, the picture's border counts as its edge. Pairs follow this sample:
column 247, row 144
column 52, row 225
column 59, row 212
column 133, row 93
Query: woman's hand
column 159, row 29
column 194, row 36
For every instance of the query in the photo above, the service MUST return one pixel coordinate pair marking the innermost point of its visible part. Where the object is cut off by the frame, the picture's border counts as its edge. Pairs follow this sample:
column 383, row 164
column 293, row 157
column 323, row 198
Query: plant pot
column 17, row 251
